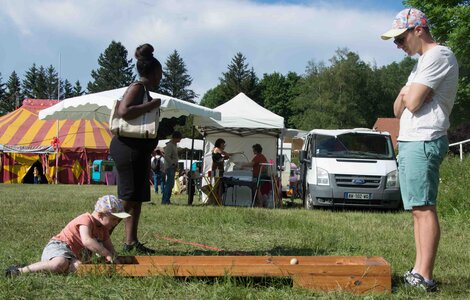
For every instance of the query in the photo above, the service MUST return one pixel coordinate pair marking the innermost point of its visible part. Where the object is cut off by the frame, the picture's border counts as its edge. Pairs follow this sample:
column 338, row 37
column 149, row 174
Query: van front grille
column 371, row 182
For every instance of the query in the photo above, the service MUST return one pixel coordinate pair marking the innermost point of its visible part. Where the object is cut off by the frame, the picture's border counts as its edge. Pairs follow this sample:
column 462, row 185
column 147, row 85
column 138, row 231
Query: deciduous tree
column 214, row 97
column 277, row 92
column 342, row 95
column 450, row 25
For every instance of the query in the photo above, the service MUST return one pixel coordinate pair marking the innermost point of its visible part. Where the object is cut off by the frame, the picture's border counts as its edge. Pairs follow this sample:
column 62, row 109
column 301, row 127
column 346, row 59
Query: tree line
column 344, row 92
column 114, row 71
column 347, row 92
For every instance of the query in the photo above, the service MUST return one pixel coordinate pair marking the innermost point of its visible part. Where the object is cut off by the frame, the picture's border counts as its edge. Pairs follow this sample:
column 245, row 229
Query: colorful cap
column 110, row 204
column 407, row 18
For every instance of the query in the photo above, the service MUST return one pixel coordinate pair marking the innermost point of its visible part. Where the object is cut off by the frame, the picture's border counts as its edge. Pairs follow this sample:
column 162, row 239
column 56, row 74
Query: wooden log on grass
column 354, row 274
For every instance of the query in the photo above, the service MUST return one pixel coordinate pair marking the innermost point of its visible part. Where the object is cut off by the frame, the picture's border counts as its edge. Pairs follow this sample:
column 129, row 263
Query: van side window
column 309, row 147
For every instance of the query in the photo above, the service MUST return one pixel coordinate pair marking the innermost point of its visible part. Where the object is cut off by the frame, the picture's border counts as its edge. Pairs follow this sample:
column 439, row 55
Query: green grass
column 31, row 214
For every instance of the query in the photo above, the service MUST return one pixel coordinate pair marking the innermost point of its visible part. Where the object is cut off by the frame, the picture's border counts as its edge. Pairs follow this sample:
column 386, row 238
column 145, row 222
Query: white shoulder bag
column 143, row 127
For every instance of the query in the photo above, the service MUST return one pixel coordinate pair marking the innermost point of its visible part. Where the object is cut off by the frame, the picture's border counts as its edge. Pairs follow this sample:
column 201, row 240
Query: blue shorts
column 55, row 249
column 418, row 167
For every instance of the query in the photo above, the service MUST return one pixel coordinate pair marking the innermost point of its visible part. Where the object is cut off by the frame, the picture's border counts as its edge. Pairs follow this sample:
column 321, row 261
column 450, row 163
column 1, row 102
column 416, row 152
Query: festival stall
column 243, row 124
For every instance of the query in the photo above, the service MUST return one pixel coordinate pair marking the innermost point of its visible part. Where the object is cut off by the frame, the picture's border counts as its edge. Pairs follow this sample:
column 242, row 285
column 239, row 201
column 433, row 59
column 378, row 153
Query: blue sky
column 275, row 36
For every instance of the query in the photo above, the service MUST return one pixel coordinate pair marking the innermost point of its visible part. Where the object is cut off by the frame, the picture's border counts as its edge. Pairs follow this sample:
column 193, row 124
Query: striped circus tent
column 27, row 142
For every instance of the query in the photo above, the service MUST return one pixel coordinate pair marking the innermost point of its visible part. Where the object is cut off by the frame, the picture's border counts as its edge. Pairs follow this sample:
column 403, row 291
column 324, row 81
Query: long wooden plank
column 302, row 260
column 357, row 274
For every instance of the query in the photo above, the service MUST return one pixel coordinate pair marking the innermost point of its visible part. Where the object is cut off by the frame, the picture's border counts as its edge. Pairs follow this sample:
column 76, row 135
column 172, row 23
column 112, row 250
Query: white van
column 349, row 167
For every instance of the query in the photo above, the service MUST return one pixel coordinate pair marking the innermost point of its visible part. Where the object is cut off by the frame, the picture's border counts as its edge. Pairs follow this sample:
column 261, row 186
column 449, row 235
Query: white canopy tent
column 241, row 116
column 98, row 106
column 184, row 144
column 243, row 124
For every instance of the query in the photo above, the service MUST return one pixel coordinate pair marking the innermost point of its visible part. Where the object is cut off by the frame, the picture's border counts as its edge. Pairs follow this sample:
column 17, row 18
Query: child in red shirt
column 84, row 235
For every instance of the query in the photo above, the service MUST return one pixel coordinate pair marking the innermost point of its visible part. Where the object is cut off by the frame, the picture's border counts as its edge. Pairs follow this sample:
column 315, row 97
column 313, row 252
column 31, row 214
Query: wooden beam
column 355, row 274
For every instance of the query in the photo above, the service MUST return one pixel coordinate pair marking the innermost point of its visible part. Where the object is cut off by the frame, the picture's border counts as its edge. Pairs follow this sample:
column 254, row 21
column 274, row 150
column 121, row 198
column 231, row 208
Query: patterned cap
column 407, row 18
column 110, row 204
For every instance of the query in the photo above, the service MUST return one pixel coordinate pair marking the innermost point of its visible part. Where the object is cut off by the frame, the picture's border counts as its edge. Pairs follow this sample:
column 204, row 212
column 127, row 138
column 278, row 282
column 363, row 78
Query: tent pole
column 57, row 156
column 281, row 154
column 58, row 77
column 190, row 172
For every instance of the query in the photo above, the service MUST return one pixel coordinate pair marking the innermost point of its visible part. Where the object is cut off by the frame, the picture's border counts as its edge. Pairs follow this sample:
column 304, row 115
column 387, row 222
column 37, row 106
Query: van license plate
column 363, row 196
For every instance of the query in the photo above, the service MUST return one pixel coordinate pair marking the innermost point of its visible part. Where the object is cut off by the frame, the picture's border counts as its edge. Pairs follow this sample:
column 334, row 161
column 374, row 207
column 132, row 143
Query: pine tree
column 68, row 90
column 115, row 70
column 35, row 83
column 2, row 95
column 77, row 89
column 40, row 89
column 12, row 98
column 176, row 80
column 29, row 82
column 52, row 80
column 240, row 78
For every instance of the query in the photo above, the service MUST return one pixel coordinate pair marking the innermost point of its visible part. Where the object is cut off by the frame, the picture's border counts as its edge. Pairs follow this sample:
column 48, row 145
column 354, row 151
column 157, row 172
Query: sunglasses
column 401, row 39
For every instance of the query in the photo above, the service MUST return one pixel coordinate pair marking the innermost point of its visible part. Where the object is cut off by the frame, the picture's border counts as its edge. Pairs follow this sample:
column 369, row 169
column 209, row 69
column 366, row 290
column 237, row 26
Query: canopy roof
column 22, row 131
column 242, row 116
column 184, row 144
column 97, row 106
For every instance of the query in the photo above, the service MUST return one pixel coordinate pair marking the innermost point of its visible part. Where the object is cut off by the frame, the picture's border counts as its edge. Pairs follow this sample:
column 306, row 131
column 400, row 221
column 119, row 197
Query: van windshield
column 353, row 145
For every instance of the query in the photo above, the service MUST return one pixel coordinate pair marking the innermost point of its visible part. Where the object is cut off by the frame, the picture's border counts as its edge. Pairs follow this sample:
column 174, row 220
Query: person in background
column 37, row 175
column 423, row 106
column 84, row 235
column 132, row 155
column 260, row 172
column 219, row 156
column 171, row 164
column 158, row 165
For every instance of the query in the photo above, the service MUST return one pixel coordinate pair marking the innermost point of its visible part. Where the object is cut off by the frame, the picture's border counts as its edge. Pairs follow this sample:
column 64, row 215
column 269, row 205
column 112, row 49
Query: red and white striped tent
column 27, row 141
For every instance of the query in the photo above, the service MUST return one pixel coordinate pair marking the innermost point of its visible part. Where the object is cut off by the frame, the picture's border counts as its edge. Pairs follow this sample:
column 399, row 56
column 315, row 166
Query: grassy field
column 31, row 214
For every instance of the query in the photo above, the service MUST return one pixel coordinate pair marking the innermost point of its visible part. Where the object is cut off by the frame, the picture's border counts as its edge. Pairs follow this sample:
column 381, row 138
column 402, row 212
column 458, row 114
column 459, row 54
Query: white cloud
column 208, row 33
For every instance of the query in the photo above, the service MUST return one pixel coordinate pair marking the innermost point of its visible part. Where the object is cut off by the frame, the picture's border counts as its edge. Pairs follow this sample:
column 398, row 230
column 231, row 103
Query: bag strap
column 146, row 93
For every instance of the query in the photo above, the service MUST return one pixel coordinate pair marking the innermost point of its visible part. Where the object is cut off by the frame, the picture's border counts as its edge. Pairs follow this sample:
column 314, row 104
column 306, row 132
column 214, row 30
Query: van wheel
column 308, row 203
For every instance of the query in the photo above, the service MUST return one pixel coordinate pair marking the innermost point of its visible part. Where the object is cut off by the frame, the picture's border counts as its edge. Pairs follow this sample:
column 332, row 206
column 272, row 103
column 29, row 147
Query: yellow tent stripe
column 69, row 140
column 31, row 134
column 13, row 128
column 90, row 137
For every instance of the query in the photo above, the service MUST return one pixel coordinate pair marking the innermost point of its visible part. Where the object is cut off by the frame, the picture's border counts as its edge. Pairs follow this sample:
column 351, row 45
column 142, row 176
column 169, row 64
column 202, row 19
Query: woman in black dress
column 132, row 155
